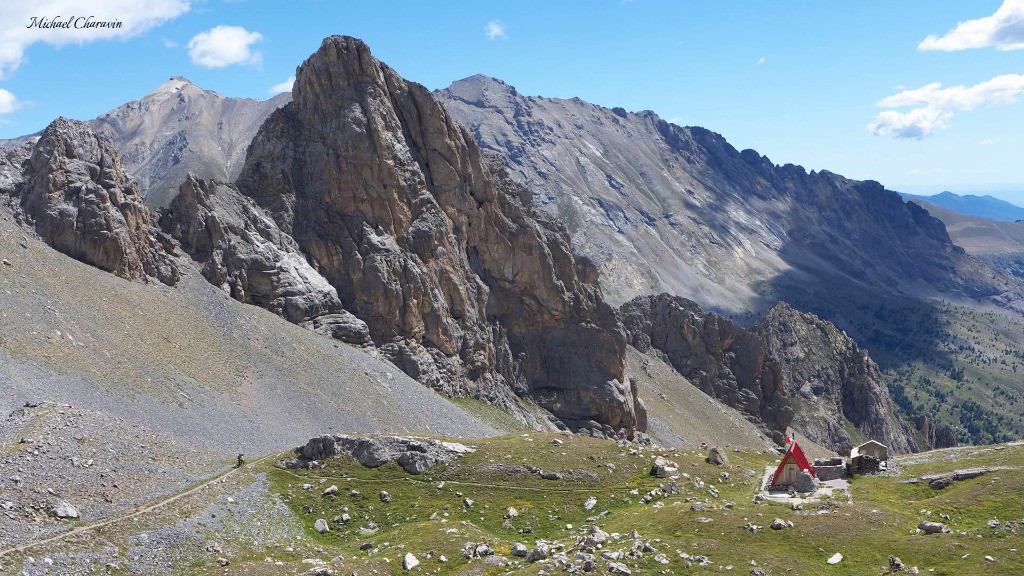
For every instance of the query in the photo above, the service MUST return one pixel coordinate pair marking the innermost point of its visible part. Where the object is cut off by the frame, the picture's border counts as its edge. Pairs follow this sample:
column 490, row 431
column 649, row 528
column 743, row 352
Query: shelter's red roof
column 795, row 454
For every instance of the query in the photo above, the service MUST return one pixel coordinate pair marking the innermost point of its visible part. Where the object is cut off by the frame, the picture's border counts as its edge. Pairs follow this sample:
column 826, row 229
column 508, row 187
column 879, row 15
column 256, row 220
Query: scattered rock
column 619, row 569
column 940, row 483
column 896, row 565
column 537, row 554
column 410, row 561
column 321, row 526
column 331, row 490
column 590, row 503
column 64, row 509
column 483, row 550
column 222, row 562
column 929, row 527
column 511, row 513
column 780, row 524
column 385, row 497
column 520, row 550
column 664, row 468
column 835, row 559
column 717, row 456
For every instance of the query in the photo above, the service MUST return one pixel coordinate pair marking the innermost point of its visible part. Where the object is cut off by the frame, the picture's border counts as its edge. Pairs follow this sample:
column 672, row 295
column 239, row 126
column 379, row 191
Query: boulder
column 929, row 527
column 664, row 468
column 804, row 482
column 63, row 510
column 717, row 456
column 410, row 561
column 321, row 526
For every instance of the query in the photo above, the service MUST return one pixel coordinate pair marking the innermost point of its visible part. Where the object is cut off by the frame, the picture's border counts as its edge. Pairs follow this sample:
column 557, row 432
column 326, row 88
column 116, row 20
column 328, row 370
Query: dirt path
column 126, row 515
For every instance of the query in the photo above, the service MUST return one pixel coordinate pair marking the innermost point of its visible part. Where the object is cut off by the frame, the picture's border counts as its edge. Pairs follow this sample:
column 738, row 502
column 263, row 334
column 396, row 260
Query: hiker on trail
column 241, row 462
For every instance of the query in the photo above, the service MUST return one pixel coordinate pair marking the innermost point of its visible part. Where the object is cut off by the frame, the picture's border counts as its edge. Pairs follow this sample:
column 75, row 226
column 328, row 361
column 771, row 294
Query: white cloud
column 285, row 86
column 495, row 29
column 135, row 17
column 168, row 43
column 915, row 125
column 1004, row 30
column 223, row 46
column 761, row 60
column 8, row 103
column 933, row 106
column 987, row 142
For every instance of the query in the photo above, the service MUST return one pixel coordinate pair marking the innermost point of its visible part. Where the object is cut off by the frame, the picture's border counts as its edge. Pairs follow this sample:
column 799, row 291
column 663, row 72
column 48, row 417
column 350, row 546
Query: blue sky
column 799, row 81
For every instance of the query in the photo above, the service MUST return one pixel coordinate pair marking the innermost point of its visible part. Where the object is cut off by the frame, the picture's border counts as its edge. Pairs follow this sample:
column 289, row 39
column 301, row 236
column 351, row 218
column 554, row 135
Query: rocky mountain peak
column 461, row 282
column 75, row 192
column 482, row 90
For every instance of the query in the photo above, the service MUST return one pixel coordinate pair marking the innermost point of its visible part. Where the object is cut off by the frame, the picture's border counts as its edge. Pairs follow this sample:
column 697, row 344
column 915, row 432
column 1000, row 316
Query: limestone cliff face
column 834, row 381
column 76, row 194
column 722, row 359
column 242, row 251
column 460, row 281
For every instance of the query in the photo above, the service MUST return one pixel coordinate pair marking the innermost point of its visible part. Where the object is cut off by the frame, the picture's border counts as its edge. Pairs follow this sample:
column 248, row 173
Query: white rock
column 835, row 559
column 321, row 526
column 410, row 561
column 63, row 509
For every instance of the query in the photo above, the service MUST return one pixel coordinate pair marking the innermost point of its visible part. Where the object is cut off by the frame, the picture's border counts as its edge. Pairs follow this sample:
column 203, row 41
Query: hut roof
column 796, row 455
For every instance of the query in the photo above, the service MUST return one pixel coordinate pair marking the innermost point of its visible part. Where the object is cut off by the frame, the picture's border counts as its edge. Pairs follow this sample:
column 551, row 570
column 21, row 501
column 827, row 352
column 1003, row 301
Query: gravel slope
column 189, row 362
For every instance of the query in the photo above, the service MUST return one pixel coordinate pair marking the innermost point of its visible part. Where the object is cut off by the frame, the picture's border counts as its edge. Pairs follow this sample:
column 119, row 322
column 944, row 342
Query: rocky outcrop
column 415, row 455
column 460, row 281
column 722, row 359
column 833, row 381
column 77, row 196
column 242, row 251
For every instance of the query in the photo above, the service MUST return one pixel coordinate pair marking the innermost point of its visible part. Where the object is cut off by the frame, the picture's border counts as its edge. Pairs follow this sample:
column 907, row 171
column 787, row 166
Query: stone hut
column 872, row 448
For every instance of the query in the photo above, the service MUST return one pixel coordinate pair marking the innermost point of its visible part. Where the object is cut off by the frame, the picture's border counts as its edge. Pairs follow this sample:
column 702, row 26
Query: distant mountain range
column 972, row 205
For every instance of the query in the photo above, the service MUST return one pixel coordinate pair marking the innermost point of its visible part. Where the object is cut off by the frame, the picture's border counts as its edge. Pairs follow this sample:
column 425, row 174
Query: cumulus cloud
column 8, row 103
column 931, row 106
column 223, row 46
column 761, row 60
column 495, row 29
column 1004, row 30
column 135, row 17
column 285, row 86
column 987, row 142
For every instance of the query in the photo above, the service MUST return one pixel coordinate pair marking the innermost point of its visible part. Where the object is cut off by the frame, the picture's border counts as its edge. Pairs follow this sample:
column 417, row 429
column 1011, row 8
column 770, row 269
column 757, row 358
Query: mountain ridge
column 973, row 205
